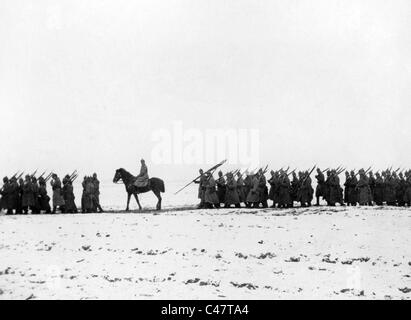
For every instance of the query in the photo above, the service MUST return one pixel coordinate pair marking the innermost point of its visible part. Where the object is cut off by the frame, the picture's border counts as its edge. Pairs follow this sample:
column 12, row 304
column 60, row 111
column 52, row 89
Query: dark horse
column 155, row 184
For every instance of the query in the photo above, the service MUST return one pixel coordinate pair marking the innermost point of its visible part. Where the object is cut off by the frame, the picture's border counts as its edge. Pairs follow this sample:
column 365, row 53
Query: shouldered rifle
column 291, row 172
column 33, row 174
column 209, row 170
column 311, row 171
column 73, row 174
column 48, row 177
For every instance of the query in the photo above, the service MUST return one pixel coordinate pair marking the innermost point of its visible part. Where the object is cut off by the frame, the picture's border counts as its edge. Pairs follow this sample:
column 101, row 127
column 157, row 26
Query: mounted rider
column 142, row 178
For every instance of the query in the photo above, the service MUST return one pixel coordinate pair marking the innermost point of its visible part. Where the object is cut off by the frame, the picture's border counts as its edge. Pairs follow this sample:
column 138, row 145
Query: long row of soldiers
column 363, row 188
column 21, row 196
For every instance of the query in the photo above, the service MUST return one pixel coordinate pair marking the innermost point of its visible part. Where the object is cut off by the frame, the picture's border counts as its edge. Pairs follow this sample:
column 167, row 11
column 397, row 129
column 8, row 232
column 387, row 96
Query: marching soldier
column 371, row 182
column 97, row 192
column 379, row 190
column 241, row 188
column 28, row 201
column 58, row 200
column 248, row 185
column 273, row 185
column 335, row 194
column 35, row 185
column 284, row 199
column 231, row 196
column 221, row 187
column 44, row 199
column 8, row 203
column 262, row 188
column 389, row 191
column 364, row 191
column 210, row 194
column 407, row 194
column 201, row 187
column 68, row 195
column 295, row 189
column 320, row 189
column 400, row 191
column 19, row 205
column 304, row 191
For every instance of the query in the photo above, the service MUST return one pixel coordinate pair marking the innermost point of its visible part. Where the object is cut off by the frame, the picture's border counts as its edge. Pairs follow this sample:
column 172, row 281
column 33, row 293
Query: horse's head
column 117, row 175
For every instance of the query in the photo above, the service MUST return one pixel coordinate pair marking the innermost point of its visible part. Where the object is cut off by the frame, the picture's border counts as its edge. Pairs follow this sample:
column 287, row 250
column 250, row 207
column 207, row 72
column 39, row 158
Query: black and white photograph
column 205, row 150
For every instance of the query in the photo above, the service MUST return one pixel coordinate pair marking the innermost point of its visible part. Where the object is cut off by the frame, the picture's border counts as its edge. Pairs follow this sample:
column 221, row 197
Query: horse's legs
column 128, row 201
column 138, row 202
column 158, row 195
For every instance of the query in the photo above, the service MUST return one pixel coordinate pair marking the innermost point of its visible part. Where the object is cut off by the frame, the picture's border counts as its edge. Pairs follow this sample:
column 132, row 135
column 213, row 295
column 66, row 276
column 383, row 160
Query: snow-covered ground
column 340, row 253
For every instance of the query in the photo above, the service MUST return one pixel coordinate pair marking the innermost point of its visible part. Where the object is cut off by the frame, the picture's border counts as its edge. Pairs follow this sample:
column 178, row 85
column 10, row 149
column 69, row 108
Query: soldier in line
column 19, row 205
column 201, row 187
column 320, row 189
column 389, row 190
column 36, row 208
column 221, row 187
column 210, row 194
column 363, row 188
column 68, row 196
column 241, row 188
column 295, row 188
column 327, row 187
column 231, row 196
column 58, row 200
column 248, row 185
column 272, row 194
column 334, row 189
column 407, row 193
column 262, row 184
column 9, row 196
column 305, row 189
column 28, row 200
column 253, row 197
column 284, row 198
column 346, row 189
column 97, row 192
column 400, row 191
column 371, row 182
column 350, row 189
column 43, row 199
column 379, row 190
column 89, row 202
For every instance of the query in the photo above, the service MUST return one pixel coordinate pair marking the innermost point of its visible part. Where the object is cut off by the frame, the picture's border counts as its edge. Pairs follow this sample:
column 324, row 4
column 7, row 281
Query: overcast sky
column 84, row 84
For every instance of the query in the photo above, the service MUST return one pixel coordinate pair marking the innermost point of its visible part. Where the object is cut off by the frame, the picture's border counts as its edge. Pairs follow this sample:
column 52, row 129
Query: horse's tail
column 158, row 183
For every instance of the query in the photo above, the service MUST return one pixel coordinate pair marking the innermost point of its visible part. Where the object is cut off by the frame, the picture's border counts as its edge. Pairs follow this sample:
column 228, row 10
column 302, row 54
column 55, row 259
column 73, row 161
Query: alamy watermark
column 180, row 145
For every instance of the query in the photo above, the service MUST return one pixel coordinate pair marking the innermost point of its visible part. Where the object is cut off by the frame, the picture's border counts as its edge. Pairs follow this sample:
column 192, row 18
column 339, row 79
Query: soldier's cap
column 5, row 179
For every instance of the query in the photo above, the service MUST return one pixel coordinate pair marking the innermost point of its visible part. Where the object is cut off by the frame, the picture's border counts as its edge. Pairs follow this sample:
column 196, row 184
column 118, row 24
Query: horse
column 155, row 184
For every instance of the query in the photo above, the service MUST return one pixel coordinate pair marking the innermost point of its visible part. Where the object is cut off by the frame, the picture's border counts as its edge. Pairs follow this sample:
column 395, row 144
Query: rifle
column 339, row 172
column 305, row 179
column 209, row 170
column 41, row 176
column 266, row 168
column 364, row 172
column 325, row 170
column 20, row 175
column 74, row 178
column 34, row 173
column 232, row 172
column 48, row 177
column 73, row 174
column 292, row 172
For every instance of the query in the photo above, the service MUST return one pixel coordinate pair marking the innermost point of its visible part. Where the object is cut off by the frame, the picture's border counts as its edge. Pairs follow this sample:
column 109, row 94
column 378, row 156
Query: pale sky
column 84, row 84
